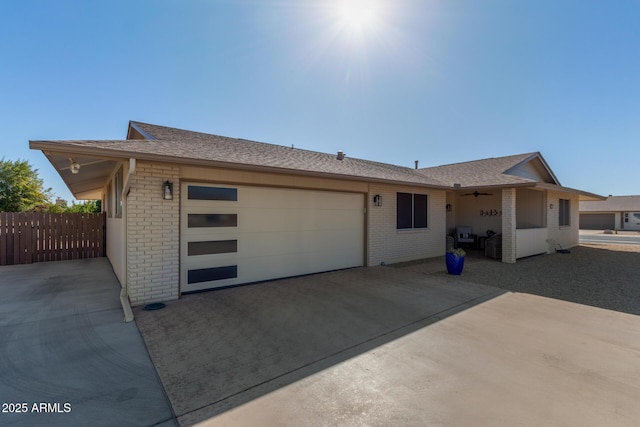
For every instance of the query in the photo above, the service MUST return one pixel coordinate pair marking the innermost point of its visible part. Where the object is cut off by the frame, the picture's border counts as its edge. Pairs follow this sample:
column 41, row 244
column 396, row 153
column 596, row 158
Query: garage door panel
column 281, row 243
column 276, row 220
column 272, row 266
column 278, row 233
column 210, row 210
column 203, row 205
column 204, row 261
column 203, row 234
column 198, row 286
column 264, row 197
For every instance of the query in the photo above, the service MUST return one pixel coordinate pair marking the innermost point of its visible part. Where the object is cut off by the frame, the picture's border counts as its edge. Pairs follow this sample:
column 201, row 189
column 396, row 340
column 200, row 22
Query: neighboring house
column 614, row 213
column 188, row 211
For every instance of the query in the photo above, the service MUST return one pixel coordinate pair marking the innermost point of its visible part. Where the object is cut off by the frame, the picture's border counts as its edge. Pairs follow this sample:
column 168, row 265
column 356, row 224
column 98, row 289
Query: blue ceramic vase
column 455, row 264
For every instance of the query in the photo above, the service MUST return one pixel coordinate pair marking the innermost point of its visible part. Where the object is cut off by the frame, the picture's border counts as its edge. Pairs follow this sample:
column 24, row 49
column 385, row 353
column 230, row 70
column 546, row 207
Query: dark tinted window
column 419, row 211
column 210, row 274
column 212, row 247
column 564, row 212
column 212, row 220
column 411, row 210
column 404, row 210
column 196, row 192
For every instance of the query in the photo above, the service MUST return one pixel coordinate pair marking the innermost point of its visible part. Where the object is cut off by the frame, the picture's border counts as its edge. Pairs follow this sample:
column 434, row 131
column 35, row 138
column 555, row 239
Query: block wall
column 385, row 243
column 153, row 235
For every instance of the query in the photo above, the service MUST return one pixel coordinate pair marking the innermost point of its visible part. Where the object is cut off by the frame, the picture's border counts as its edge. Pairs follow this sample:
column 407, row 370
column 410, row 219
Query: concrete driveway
column 393, row 346
column 63, row 344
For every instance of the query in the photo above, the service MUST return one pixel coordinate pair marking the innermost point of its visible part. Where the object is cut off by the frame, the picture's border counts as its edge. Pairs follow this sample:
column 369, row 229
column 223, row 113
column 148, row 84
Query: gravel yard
column 605, row 276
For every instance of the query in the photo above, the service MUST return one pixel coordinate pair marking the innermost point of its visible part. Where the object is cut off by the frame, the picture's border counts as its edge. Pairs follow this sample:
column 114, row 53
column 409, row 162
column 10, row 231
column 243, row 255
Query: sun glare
column 357, row 15
column 356, row 33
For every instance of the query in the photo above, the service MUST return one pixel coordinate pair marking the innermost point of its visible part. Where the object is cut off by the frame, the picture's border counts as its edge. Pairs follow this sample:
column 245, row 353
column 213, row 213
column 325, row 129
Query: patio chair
column 464, row 235
column 493, row 247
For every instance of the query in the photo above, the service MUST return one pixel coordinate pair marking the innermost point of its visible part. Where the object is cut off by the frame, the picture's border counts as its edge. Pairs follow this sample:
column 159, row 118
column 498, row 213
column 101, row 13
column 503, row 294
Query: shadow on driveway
column 218, row 350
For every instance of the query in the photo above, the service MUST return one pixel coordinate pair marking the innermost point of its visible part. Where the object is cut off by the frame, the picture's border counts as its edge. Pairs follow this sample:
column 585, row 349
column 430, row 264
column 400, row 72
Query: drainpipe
column 124, row 293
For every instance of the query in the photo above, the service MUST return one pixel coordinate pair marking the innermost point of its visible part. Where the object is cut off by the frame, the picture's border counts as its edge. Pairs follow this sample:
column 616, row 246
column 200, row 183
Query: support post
column 509, row 225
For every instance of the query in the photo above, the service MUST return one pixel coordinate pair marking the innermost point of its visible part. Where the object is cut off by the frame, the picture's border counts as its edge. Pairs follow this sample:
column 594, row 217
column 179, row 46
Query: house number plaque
column 490, row 212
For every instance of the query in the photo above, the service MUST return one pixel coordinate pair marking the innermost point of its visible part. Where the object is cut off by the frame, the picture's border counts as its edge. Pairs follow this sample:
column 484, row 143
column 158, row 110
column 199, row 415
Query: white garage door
column 239, row 234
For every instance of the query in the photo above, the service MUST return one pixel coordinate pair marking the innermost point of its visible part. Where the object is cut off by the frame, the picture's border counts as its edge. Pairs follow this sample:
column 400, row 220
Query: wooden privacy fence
column 27, row 237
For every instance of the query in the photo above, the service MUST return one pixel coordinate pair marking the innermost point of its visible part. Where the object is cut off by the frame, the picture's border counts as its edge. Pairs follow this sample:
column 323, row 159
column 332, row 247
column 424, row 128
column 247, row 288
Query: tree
column 20, row 187
column 89, row 206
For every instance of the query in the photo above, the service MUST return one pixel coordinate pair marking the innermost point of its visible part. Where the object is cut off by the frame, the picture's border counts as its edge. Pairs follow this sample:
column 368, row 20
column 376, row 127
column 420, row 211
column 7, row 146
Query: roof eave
column 90, row 190
column 57, row 148
column 584, row 195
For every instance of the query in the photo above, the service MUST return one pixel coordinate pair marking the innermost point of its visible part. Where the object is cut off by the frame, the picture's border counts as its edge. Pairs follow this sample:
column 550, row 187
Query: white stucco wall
column 566, row 236
column 388, row 244
column 115, row 247
column 531, row 241
column 116, row 251
column 481, row 213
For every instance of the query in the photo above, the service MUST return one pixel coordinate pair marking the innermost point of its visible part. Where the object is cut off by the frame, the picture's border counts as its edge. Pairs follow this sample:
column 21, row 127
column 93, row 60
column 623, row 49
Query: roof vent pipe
column 416, row 163
column 340, row 155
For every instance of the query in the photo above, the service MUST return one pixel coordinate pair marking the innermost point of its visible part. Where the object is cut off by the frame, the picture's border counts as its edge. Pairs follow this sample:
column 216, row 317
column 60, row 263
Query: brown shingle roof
column 200, row 148
column 180, row 146
column 479, row 173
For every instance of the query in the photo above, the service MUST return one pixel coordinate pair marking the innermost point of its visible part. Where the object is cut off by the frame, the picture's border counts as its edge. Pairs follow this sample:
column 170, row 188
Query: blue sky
column 393, row 81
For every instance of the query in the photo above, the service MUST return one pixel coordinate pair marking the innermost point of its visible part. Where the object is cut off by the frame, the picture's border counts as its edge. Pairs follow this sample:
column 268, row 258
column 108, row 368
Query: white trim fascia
column 548, row 168
column 124, row 293
column 147, row 135
column 537, row 155
column 584, row 195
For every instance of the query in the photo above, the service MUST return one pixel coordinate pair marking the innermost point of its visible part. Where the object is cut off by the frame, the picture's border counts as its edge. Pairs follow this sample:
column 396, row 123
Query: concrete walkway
column 63, row 344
